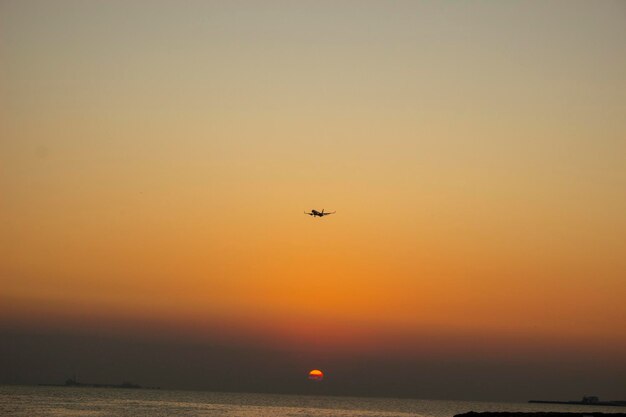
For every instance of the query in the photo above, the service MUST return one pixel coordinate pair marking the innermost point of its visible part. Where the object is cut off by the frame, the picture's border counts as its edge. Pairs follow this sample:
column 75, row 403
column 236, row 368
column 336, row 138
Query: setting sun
column 316, row 375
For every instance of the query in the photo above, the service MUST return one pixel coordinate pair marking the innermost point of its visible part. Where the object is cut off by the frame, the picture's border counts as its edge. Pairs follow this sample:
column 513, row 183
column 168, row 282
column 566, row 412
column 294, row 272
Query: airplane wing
column 310, row 214
column 332, row 212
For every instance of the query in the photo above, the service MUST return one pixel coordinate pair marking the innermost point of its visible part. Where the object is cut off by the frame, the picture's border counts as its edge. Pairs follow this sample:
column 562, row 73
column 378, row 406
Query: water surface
column 33, row 401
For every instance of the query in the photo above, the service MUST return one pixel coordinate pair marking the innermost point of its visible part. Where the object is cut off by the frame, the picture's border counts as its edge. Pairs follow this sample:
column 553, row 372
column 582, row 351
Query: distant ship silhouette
column 590, row 400
column 73, row 382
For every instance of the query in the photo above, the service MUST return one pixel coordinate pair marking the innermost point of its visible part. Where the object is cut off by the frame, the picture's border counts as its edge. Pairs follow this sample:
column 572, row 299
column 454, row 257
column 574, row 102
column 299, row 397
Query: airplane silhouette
column 316, row 213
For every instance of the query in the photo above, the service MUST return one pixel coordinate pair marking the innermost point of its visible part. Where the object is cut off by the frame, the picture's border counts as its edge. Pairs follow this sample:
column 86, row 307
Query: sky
column 156, row 158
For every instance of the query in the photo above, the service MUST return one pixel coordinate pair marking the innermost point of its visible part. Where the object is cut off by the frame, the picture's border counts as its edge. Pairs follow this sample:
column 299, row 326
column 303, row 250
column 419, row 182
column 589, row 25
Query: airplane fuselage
column 316, row 213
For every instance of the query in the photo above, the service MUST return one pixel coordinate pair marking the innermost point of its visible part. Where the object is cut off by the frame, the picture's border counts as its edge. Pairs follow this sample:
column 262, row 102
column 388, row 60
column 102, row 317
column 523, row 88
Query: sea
column 41, row 401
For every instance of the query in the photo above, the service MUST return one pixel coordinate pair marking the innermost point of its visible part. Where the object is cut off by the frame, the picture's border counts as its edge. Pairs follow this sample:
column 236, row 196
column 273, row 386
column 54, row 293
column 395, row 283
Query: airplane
column 316, row 213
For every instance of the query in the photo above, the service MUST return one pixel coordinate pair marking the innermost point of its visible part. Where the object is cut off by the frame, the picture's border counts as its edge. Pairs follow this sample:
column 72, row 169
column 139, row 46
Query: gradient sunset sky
column 156, row 158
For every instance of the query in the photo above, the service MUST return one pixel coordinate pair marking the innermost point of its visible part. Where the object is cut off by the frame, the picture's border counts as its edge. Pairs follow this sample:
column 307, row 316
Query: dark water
column 61, row 401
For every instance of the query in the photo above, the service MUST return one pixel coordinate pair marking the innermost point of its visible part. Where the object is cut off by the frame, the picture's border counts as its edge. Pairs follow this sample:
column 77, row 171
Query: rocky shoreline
column 538, row 414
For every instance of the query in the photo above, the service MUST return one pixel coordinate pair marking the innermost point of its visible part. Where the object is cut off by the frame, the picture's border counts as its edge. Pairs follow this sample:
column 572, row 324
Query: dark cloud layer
column 48, row 357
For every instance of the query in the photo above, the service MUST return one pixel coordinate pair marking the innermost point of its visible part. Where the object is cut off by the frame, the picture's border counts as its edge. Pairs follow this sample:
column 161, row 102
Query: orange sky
column 155, row 163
